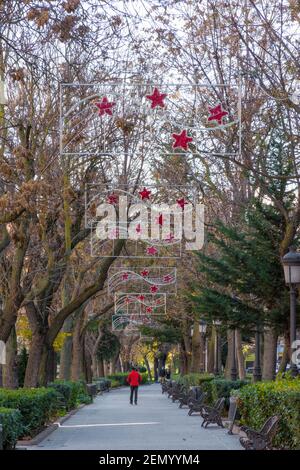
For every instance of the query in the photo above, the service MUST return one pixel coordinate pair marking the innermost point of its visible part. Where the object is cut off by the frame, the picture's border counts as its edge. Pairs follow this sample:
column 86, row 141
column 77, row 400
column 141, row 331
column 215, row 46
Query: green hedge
column 191, row 380
column 103, row 384
column 122, row 377
column 259, row 401
column 115, row 383
column 218, row 388
column 36, row 406
column 11, row 421
column 72, row 393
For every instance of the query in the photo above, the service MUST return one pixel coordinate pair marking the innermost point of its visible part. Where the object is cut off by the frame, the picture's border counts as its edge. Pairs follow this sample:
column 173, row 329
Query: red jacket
column 134, row 378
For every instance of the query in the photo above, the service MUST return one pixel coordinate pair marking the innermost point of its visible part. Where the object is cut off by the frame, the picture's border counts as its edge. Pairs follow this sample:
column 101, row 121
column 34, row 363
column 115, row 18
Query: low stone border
column 49, row 429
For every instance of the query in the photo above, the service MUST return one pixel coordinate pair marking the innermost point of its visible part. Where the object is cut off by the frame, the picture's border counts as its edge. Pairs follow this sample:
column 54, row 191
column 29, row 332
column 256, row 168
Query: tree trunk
column 100, row 368
column 88, row 366
column 239, row 355
column 34, row 359
column 9, row 370
column 66, row 352
column 51, row 365
column 118, row 366
column 229, row 358
column 196, row 349
column 114, row 363
column 286, row 353
column 184, row 365
column 47, row 366
column 156, row 369
column 148, row 367
column 187, row 351
column 95, row 367
column 211, row 353
column 269, row 356
column 77, row 371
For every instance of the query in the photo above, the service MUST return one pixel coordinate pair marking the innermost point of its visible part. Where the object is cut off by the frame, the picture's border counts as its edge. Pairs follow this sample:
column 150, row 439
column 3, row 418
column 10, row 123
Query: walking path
column 111, row 423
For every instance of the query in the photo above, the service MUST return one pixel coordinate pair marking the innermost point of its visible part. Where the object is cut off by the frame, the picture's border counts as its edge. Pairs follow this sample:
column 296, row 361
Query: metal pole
column 293, row 331
column 206, row 354
column 202, row 366
column 257, row 367
column 216, row 368
column 233, row 368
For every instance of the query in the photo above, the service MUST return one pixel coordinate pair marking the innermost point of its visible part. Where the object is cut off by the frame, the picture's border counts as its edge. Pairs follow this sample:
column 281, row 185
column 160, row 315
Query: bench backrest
column 270, row 426
column 219, row 404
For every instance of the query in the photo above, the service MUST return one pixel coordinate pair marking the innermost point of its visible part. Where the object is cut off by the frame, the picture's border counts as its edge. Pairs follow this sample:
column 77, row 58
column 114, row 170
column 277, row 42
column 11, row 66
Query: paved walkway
column 156, row 423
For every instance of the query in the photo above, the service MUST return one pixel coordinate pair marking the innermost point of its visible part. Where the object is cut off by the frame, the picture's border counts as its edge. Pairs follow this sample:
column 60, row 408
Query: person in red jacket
column 134, row 379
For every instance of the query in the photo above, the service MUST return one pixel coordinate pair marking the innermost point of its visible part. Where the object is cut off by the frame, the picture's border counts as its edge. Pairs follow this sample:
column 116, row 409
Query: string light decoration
column 135, row 214
column 93, row 115
column 149, row 279
column 131, row 323
column 140, row 304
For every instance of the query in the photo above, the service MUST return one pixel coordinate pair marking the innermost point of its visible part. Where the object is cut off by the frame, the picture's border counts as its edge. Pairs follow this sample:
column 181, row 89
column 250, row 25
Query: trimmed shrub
column 103, row 384
column 218, row 388
column 71, row 393
column 122, row 376
column 257, row 402
column 115, row 384
column 191, row 380
column 11, row 421
column 36, row 406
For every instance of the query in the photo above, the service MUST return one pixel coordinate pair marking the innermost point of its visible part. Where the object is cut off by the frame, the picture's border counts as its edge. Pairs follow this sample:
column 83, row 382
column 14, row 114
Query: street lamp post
column 202, row 329
column 233, row 372
column 216, row 324
column 257, row 366
column 291, row 266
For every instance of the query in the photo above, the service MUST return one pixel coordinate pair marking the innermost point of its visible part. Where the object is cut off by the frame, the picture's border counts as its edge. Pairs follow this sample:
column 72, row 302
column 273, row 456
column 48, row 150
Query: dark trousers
column 133, row 391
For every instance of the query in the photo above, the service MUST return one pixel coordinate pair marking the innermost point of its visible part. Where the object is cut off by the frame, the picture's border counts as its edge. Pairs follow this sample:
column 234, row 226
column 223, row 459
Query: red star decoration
column 157, row 98
column 145, row 273
column 105, row 106
column 125, row 276
column 167, row 278
column 138, row 228
column 145, row 193
column 112, row 199
column 127, row 301
column 159, row 219
column 149, row 309
column 181, row 140
column 153, row 289
column 181, row 202
column 151, row 250
column 217, row 114
column 141, row 298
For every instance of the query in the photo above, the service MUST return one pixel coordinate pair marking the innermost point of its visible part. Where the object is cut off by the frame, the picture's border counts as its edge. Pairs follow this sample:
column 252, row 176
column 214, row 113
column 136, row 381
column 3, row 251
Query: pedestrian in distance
column 134, row 379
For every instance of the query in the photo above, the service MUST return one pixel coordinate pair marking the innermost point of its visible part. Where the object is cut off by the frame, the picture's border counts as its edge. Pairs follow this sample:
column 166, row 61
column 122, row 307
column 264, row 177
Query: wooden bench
column 185, row 397
column 178, row 392
column 165, row 386
column 172, row 387
column 260, row 440
column 196, row 404
column 213, row 414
